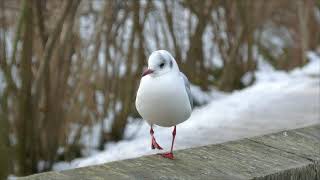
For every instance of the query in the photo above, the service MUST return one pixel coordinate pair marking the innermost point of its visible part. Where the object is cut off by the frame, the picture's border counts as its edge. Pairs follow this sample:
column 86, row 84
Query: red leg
column 170, row 154
column 154, row 143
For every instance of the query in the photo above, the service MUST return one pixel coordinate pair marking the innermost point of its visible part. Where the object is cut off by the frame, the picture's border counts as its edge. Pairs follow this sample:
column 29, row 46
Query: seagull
column 163, row 97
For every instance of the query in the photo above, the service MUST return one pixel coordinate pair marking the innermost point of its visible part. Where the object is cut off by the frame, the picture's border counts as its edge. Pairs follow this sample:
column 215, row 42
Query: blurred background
column 72, row 67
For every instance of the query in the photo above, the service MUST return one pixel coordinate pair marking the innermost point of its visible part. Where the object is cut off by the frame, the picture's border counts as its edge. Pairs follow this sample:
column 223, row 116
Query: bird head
column 160, row 62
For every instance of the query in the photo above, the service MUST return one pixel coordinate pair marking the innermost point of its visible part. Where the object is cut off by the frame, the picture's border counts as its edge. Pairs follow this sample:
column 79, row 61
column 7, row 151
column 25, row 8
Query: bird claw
column 168, row 155
column 155, row 145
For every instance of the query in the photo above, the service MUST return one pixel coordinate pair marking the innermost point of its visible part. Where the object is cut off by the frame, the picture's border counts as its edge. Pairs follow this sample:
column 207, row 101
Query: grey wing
column 187, row 86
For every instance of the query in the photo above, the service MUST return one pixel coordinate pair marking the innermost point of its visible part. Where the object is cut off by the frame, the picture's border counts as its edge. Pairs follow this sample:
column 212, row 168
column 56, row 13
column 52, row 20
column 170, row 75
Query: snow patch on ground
column 201, row 97
column 277, row 101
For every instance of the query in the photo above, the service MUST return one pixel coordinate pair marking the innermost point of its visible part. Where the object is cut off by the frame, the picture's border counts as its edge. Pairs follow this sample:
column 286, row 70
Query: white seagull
column 163, row 97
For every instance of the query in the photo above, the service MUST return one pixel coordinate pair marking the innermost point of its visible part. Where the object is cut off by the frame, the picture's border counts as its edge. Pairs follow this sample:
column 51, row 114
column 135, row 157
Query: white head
column 161, row 62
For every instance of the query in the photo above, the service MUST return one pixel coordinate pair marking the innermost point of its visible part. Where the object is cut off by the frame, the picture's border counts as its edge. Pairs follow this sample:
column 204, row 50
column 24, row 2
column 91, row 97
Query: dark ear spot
column 171, row 63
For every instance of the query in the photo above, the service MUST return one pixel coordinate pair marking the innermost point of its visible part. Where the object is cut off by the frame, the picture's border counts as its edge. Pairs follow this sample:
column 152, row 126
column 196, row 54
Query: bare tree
column 135, row 56
column 4, row 123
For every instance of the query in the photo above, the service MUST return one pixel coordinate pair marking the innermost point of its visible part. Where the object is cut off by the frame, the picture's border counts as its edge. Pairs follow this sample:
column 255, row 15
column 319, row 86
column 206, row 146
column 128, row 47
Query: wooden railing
column 293, row 154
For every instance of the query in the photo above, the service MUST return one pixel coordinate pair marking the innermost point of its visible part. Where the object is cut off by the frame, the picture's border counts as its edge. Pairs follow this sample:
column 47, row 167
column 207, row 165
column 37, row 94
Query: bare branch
column 52, row 42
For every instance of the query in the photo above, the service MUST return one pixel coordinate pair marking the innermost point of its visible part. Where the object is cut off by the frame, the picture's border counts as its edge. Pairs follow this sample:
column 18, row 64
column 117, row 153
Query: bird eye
column 161, row 65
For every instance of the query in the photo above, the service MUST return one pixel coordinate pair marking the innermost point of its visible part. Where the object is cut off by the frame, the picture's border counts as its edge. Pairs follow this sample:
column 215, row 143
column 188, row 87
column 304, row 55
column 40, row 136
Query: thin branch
column 40, row 20
column 7, row 67
column 51, row 44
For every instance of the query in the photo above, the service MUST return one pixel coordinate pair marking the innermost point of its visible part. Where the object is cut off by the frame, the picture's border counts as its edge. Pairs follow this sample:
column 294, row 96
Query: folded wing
column 187, row 86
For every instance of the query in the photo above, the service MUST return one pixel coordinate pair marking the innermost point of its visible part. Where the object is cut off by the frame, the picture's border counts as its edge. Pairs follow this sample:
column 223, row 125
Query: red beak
column 146, row 72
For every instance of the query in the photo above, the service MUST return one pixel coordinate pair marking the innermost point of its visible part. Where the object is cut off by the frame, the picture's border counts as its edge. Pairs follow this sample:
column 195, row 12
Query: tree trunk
column 4, row 138
column 26, row 156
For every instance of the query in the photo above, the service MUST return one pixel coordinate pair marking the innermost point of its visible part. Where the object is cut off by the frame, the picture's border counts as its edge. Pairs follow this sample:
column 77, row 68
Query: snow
column 312, row 68
column 12, row 177
column 201, row 97
column 277, row 101
column 247, row 78
column 86, row 26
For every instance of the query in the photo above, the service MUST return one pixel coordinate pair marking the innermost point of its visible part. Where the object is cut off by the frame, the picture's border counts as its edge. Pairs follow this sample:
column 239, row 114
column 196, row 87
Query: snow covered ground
column 277, row 101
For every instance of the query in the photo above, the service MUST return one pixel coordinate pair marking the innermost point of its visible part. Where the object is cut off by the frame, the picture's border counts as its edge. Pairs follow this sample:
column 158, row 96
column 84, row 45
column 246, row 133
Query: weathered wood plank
column 47, row 175
column 302, row 142
column 293, row 154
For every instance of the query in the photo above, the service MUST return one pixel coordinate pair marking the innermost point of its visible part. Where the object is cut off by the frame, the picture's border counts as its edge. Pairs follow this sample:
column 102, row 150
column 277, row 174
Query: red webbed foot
column 168, row 155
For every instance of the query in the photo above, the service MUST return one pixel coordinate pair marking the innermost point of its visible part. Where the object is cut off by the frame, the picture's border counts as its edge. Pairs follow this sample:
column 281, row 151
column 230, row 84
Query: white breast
column 163, row 100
